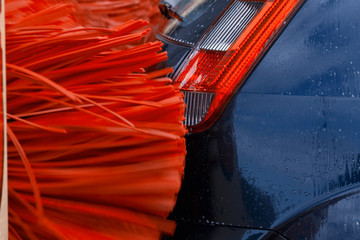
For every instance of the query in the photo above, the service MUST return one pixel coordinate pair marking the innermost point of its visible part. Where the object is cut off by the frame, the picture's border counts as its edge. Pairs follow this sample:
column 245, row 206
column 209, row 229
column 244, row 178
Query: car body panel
column 190, row 231
column 289, row 141
column 338, row 218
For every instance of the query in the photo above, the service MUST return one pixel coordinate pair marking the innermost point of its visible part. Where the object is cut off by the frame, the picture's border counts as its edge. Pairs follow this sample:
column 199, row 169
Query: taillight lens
column 223, row 58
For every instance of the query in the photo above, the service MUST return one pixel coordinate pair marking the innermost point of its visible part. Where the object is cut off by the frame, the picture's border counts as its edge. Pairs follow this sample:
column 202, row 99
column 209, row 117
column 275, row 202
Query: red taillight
column 223, row 58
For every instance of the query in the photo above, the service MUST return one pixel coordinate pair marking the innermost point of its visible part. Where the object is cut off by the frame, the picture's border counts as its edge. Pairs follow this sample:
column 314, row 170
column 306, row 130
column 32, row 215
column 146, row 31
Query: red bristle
column 96, row 147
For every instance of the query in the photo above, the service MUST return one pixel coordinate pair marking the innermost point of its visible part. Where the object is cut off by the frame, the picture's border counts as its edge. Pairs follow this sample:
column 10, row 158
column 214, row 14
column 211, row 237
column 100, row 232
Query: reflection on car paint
column 289, row 140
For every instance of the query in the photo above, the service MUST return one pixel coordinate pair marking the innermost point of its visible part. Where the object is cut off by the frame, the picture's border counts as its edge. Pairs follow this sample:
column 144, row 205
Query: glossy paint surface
column 189, row 231
column 176, row 55
column 336, row 219
column 197, row 17
column 289, row 142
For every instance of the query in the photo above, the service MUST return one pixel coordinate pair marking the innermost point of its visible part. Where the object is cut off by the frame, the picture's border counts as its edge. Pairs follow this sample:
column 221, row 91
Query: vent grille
column 197, row 105
column 230, row 25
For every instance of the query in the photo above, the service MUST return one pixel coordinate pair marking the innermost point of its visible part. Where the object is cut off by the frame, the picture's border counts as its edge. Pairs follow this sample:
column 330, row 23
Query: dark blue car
column 273, row 110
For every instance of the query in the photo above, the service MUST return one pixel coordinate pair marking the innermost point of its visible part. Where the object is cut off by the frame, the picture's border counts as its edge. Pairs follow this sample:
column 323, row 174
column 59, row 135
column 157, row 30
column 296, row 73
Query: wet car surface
column 283, row 160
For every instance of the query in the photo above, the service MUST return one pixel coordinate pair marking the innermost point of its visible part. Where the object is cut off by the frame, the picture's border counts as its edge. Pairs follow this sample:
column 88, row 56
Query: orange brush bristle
column 96, row 147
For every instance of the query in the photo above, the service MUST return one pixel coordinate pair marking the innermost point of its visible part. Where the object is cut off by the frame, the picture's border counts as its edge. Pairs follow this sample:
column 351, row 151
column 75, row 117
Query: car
column 277, row 154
